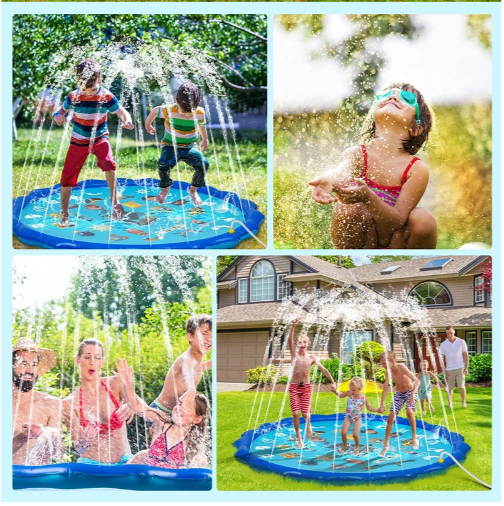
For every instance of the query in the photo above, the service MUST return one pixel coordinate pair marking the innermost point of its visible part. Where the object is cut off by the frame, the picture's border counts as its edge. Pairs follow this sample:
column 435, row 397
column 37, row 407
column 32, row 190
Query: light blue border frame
column 9, row 9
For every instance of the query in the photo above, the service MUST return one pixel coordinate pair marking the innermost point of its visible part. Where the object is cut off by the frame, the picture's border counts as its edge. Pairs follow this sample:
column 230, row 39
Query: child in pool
column 378, row 185
column 182, row 122
column 406, row 387
column 356, row 401
column 300, row 389
column 90, row 103
column 181, row 440
column 425, row 388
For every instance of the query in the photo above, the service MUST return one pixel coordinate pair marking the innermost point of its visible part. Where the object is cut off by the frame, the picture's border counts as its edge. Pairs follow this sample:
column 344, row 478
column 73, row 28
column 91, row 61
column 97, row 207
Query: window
column 438, row 263
column 283, row 287
column 351, row 340
column 430, row 293
column 470, row 339
column 242, row 291
column 486, row 341
column 262, row 282
column 479, row 294
column 390, row 270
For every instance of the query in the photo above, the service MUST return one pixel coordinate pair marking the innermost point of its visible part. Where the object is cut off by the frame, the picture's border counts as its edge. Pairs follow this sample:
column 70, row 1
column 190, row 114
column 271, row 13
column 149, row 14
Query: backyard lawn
column 134, row 162
column 473, row 422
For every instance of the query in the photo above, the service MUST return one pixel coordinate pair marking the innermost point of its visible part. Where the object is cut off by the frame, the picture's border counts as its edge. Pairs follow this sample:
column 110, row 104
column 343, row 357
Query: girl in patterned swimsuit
column 181, row 440
column 377, row 186
column 356, row 402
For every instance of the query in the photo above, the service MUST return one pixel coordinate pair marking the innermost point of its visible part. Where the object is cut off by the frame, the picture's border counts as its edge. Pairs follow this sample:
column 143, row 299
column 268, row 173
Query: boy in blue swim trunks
column 186, row 372
column 406, row 387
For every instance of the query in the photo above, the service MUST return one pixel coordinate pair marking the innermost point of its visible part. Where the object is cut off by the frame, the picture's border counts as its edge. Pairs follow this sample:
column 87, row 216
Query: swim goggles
column 405, row 96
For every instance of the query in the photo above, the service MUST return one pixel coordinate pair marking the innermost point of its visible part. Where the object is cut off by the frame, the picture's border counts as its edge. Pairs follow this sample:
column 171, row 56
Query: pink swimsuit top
column 388, row 194
column 160, row 455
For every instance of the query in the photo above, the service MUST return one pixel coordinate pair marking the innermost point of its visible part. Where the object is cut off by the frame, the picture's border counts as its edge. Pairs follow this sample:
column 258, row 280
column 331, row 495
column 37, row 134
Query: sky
column 449, row 66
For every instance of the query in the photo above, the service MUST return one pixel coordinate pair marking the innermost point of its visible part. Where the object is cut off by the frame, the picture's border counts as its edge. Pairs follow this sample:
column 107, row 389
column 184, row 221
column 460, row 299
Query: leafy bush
column 334, row 366
column 380, row 375
column 480, row 368
column 368, row 354
column 261, row 374
column 283, row 380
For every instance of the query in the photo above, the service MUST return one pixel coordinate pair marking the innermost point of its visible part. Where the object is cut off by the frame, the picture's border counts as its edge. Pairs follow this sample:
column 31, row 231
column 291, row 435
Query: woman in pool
column 180, row 440
column 377, row 186
column 96, row 412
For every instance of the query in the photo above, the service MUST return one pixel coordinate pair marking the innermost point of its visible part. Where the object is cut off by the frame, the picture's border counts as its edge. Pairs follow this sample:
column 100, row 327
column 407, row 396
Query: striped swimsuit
column 300, row 397
column 180, row 130
column 388, row 194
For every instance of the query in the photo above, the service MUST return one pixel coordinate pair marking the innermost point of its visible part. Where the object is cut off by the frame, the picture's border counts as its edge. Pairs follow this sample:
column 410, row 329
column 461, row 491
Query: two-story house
column 251, row 290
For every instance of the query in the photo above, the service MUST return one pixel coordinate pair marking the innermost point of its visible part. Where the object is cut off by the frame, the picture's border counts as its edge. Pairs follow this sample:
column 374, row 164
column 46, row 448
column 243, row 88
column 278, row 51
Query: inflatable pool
column 146, row 224
column 272, row 447
column 130, row 477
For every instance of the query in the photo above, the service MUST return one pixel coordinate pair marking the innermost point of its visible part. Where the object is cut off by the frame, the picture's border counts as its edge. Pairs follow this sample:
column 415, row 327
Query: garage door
column 238, row 352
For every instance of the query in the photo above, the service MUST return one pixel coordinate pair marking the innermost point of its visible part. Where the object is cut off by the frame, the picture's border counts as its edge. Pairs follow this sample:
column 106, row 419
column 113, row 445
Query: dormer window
column 262, row 282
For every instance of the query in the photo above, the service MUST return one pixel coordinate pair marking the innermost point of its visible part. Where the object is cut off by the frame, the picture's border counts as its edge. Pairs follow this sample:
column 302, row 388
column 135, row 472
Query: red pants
column 300, row 397
column 77, row 155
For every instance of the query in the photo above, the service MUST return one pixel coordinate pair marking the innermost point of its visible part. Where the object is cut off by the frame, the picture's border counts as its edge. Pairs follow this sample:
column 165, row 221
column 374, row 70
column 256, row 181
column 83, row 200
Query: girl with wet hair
column 377, row 186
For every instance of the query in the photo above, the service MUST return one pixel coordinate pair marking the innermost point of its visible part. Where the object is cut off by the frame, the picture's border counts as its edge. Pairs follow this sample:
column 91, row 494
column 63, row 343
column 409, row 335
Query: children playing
column 181, row 440
column 356, row 401
column 182, row 122
column 90, row 103
column 300, row 389
column 406, row 387
column 378, row 185
column 425, row 388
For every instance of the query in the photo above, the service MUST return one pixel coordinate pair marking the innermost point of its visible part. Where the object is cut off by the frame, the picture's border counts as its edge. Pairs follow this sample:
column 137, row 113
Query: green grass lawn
column 135, row 162
column 473, row 422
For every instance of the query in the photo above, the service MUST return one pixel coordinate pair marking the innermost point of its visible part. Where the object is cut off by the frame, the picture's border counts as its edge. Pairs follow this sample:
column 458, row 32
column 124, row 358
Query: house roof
column 458, row 266
column 461, row 316
column 258, row 313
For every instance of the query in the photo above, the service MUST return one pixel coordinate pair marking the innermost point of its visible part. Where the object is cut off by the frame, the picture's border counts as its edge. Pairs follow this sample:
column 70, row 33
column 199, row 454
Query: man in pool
column 406, row 387
column 35, row 415
column 186, row 372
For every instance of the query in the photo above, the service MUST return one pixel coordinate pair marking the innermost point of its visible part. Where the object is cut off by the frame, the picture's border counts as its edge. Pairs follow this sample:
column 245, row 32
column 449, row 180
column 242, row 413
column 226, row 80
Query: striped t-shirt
column 90, row 114
column 180, row 130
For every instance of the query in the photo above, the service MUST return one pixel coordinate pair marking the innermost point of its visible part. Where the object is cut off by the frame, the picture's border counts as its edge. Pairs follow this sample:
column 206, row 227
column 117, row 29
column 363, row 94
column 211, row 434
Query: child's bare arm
column 437, row 380
column 369, row 407
column 126, row 118
column 150, row 118
column 292, row 348
column 59, row 116
column 204, row 138
column 188, row 373
column 385, row 390
column 326, row 373
column 342, row 395
column 206, row 365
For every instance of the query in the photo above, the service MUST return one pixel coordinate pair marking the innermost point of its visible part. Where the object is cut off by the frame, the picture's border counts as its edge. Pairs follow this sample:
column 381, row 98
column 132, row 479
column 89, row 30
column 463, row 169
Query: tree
column 224, row 261
column 346, row 261
column 236, row 44
column 486, row 274
column 381, row 259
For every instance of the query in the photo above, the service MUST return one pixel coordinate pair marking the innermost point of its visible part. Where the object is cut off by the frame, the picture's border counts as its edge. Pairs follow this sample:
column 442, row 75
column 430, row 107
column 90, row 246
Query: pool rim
column 252, row 218
column 243, row 453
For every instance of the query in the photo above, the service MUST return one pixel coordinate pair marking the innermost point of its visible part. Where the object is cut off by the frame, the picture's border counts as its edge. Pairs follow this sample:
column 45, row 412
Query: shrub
column 283, row 380
column 380, row 375
column 480, row 368
column 334, row 366
column 368, row 353
column 261, row 374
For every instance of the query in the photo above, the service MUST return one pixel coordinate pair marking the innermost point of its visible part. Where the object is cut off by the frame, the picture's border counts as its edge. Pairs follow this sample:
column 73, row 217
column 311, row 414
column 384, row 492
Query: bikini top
column 388, row 194
column 114, row 422
column 161, row 456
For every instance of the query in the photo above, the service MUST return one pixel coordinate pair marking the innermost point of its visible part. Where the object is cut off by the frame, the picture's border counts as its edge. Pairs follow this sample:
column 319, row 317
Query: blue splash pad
column 146, row 224
column 272, row 447
column 129, row 477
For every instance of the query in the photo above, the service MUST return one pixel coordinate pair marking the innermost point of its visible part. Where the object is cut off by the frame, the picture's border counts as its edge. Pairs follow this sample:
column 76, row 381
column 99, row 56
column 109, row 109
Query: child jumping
column 300, row 389
column 356, row 401
column 90, row 103
column 377, row 186
column 182, row 122
column 425, row 388
column 406, row 387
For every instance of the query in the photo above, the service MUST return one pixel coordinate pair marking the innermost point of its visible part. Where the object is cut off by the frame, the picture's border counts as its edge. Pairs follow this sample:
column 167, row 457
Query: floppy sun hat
column 405, row 96
column 46, row 357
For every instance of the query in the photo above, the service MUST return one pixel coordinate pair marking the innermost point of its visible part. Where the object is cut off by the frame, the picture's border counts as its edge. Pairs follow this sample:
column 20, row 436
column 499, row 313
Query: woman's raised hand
column 125, row 414
column 124, row 373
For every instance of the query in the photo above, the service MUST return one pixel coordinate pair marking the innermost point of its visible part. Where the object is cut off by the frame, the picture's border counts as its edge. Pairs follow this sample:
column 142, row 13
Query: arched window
column 430, row 293
column 262, row 282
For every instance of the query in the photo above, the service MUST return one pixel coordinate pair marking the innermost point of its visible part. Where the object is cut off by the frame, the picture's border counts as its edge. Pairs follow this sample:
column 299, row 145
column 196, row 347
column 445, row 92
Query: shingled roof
column 461, row 316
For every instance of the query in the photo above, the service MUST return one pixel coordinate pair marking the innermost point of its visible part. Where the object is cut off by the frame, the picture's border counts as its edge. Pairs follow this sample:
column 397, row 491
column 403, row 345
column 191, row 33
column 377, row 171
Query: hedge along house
column 251, row 290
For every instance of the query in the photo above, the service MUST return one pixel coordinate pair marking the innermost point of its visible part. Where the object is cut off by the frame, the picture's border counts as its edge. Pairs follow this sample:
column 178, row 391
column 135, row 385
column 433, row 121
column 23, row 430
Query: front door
column 427, row 348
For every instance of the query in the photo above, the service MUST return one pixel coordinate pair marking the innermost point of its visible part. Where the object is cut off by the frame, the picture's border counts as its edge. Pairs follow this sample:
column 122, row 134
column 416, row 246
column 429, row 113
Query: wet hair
column 196, row 321
column 188, row 96
column 88, row 72
column 303, row 335
column 92, row 342
column 357, row 381
column 427, row 118
column 387, row 355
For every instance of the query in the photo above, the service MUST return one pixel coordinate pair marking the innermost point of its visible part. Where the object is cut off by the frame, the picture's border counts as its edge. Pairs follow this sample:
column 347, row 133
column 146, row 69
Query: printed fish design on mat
column 114, row 237
column 328, row 457
column 171, row 229
column 368, row 431
column 147, row 220
column 309, row 463
column 185, row 200
column 161, row 209
column 85, row 234
column 284, row 447
column 68, row 225
column 92, row 200
column 318, row 439
column 55, row 215
column 199, row 222
column 151, row 239
column 122, row 197
column 195, row 210
column 407, row 442
column 290, row 455
column 135, row 231
column 151, row 198
column 355, row 461
column 376, row 440
column 339, row 466
column 400, row 463
column 368, row 468
column 85, row 218
column 73, row 206
column 132, row 217
column 94, row 207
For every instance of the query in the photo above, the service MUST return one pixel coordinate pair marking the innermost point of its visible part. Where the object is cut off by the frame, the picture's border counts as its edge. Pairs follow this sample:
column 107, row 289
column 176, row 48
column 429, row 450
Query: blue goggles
column 405, row 96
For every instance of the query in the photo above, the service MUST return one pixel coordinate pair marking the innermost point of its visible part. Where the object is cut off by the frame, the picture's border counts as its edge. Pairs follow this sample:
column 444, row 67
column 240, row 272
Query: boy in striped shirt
column 90, row 103
column 183, row 121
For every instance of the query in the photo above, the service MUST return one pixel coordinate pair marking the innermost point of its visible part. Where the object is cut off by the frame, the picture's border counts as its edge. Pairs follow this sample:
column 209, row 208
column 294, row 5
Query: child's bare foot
column 415, row 444
column 356, row 452
column 64, row 220
column 432, row 410
column 299, row 443
column 342, row 449
column 464, row 405
column 118, row 211
column 161, row 196
column 384, row 451
column 195, row 197
column 309, row 432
